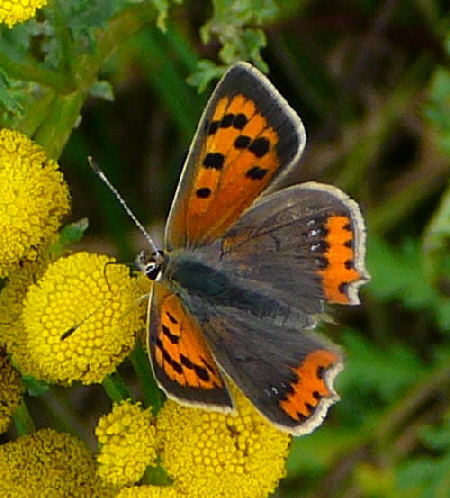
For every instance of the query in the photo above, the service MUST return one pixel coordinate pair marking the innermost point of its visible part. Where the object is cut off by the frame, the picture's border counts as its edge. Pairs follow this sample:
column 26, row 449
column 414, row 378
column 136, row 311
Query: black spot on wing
column 186, row 362
column 171, row 318
column 201, row 372
column 256, row 173
column 260, row 146
column 167, row 358
column 343, row 287
column 227, row 121
column 349, row 264
column 240, row 121
column 320, row 373
column 203, row 193
column 174, row 339
column 242, row 142
column 214, row 160
column 213, row 127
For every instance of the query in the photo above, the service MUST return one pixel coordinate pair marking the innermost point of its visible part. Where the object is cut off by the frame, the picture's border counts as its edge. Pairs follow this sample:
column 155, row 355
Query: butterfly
column 247, row 269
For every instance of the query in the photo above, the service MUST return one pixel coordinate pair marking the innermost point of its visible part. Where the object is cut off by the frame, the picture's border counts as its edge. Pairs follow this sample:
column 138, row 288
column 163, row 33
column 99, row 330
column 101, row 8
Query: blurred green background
column 371, row 81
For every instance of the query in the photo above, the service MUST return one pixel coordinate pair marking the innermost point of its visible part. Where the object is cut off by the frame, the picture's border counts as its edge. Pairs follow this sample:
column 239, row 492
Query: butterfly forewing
column 181, row 359
column 247, row 136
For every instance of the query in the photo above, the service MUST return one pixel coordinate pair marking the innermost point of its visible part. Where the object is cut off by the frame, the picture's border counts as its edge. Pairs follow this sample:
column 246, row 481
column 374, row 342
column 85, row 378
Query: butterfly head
column 152, row 265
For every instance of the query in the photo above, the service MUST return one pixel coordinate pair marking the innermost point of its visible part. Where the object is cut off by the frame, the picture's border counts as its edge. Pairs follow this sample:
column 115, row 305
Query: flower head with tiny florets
column 13, row 294
column 79, row 320
column 11, row 389
column 33, row 199
column 127, row 443
column 214, row 454
column 49, row 463
column 15, row 11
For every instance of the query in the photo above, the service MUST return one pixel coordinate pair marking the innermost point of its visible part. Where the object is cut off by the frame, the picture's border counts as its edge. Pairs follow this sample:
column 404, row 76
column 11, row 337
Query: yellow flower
column 13, row 294
column 225, row 455
column 79, row 320
column 149, row 492
column 48, row 463
column 127, row 444
column 14, row 11
column 11, row 390
column 33, row 199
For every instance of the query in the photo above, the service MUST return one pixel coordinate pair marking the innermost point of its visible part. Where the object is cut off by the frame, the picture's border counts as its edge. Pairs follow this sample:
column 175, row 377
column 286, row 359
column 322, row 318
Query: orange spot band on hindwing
column 340, row 257
column 310, row 386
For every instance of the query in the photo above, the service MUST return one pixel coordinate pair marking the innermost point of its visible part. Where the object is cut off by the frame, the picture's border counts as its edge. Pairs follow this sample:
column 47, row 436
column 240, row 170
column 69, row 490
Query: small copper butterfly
column 246, row 270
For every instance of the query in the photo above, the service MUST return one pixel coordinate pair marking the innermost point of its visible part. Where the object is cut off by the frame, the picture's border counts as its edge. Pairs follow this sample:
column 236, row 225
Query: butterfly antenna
column 95, row 167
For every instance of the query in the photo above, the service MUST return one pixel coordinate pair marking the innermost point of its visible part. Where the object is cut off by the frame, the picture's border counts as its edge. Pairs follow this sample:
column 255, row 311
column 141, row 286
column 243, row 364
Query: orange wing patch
column 310, row 387
column 182, row 362
column 180, row 350
column 236, row 163
column 339, row 255
column 247, row 136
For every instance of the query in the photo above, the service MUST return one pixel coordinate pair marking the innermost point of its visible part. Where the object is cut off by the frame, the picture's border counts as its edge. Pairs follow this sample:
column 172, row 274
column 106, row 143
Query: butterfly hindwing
column 182, row 362
column 246, row 137
column 308, row 241
column 286, row 373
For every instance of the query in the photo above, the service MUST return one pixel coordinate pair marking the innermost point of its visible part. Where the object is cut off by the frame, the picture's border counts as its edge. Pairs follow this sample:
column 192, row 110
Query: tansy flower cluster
column 205, row 453
column 48, row 463
column 11, row 390
column 13, row 295
column 79, row 321
column 15, row 11
column 33, row 200
column 214, row 454
column 149, row 491
column 62, row 320
column 127, row 440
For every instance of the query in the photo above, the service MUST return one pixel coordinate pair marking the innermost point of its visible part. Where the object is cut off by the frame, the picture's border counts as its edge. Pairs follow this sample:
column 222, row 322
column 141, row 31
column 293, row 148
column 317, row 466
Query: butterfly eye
column 152, row 270
column 151, row 266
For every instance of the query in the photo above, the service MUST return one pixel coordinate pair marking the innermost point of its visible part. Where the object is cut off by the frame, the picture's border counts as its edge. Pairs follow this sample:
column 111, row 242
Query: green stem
column 23, row 421
column 63, row 113
column 57, row 126
column 33, row 72
column 63, row 36
column 151, row 392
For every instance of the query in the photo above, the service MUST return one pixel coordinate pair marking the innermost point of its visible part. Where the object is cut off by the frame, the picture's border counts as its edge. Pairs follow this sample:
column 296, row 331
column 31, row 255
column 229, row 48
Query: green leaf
column 102, row 90
column 438, row 438
column 207, row 72
column 6, row 97
column 34, row 386
column 376, row 372
column 406, row 263
column 237, row 25
column 428, row 477
column 70, row 234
